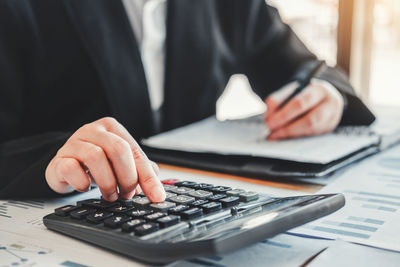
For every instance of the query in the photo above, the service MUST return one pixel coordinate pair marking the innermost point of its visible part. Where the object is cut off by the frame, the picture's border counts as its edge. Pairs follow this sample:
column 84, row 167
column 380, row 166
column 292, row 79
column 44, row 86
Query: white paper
column 248, row 137
column 25, row 241
column 345, row 254
column 371, row 215
column 282, row 250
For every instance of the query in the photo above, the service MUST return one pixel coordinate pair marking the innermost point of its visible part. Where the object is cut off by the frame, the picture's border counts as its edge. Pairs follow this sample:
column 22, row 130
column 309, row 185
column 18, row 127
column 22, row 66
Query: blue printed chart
column 281, row 250
column 21, row 253
column 371, row 215
column 25, row 241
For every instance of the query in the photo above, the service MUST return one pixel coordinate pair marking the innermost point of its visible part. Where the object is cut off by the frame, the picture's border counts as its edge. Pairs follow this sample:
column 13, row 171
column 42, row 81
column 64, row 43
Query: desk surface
column 289, row 185
column 22, row 229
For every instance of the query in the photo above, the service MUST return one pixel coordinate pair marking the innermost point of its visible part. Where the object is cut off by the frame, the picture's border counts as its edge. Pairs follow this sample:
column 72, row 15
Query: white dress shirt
column 148, row 21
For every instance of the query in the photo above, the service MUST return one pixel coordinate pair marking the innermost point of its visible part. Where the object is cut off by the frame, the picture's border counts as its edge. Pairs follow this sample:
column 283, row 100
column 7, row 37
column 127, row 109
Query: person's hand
column 105, row 150
column 316, row 110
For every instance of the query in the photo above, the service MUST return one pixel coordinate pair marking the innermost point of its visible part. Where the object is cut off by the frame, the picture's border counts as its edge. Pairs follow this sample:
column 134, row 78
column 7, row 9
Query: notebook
column 239, row 147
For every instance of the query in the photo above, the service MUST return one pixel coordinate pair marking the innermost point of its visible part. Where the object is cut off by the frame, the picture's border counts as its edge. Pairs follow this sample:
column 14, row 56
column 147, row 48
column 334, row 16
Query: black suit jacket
column 66, row 63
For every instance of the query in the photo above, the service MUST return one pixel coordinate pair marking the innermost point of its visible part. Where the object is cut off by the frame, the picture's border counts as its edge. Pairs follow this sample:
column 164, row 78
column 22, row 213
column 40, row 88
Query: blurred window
column 385, row 64
column 315, row 22
column 373, row 51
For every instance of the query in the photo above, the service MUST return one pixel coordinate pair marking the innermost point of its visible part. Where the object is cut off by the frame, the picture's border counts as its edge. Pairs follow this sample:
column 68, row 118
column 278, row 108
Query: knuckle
column 108, row 122
column 120, row 147
column 83, row 185
column 298, row 104
column 155, row 165
column 271, row 102
column 84, row 128
column 68, row 166
column 138, row 153
column 94, row 154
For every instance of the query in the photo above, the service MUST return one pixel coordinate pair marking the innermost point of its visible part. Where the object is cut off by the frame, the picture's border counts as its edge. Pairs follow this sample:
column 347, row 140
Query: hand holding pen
column 304, row 108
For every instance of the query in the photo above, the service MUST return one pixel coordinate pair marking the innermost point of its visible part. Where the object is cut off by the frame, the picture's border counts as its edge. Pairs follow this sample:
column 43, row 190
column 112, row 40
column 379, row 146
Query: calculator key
column 81, row 202
column 141, row 202
column 168, row 188
column 191, row 213
column 186, row 184
column 182, row 199
column 138, row 213
column 170, row 181
column 81, row 213
column 248, row 196
column 98, row 216
column 146, row 229
column 155, row 216
column 220, row 189
column 202, row 194
column 229, row 201
column 235, row 192
column 178, row 209
column 126, row 202
column 129, row 226
column 216, row 197
column 120, row 209
column 182, row 190
column 211, row 207
column 98, row 203
column 162, row 206
column 168, row 195
column 203, row 186
column 65, row 210
column 198, row 203
column 116, row 221
column 168, row 220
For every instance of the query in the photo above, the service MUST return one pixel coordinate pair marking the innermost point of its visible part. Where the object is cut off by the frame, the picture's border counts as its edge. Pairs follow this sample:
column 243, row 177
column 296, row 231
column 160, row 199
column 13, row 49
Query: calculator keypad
column 185, row 201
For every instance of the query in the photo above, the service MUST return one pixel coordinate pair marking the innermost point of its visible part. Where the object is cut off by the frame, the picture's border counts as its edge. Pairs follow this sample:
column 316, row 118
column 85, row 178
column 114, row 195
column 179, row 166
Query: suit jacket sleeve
column 271, row 55
column 23, row 157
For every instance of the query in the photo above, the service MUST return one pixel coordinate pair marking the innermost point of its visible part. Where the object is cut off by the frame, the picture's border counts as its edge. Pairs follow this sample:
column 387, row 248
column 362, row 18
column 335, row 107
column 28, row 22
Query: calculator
column 196, row 219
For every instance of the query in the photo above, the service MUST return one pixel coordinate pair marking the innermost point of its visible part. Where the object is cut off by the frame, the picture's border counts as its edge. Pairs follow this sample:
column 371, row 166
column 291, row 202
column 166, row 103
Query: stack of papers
column 246, row 137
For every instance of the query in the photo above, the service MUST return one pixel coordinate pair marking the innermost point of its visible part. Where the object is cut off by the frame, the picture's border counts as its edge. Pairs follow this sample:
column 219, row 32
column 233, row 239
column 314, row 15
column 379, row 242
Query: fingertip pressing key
column 157, row 193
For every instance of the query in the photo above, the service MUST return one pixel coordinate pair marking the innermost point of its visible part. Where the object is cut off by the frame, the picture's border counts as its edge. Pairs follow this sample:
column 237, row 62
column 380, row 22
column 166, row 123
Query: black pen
column 304, row 82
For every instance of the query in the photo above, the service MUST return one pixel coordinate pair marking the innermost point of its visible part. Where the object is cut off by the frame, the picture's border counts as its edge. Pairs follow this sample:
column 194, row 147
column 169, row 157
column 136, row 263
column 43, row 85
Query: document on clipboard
column 237, row 146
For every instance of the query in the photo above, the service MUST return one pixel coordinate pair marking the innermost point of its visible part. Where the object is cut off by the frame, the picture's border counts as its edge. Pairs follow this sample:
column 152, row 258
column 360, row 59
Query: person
column 81, row 81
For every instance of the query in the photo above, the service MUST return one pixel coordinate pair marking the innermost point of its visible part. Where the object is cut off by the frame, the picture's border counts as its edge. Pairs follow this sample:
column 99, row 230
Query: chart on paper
column 372, row 211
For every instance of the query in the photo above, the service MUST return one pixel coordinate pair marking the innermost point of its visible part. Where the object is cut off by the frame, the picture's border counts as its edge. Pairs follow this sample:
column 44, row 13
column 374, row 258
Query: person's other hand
column 115, row 161
column 316, row 110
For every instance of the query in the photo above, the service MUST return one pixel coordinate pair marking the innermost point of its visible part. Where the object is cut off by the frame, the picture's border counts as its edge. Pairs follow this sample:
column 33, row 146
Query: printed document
column 371, row 215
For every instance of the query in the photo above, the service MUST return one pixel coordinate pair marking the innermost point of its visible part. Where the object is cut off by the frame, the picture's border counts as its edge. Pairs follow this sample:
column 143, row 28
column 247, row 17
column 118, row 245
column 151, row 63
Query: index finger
column 276, row 98
column 299, row 105
column 148, row 179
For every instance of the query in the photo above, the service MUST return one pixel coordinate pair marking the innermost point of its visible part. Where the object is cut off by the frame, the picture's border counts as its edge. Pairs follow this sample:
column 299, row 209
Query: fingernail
column 113, row 197
column 158, row 193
